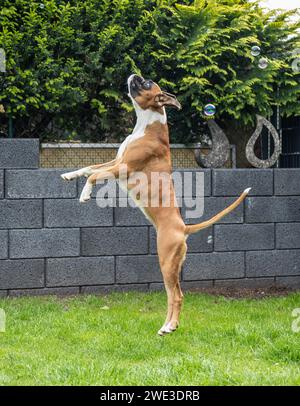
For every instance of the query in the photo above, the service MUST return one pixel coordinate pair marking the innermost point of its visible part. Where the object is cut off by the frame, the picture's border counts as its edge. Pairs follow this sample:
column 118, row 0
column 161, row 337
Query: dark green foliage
column 68, row 61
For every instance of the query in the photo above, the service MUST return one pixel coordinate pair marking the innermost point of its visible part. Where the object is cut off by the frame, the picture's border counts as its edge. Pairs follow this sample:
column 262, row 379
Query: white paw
column 161, row 332
column 77, row 174
column 69, row 175
column 166, row 329
column 86, row 193
column 84, row 198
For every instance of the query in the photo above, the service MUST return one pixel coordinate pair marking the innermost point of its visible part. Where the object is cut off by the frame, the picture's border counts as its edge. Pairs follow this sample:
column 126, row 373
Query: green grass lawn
column 111, row 340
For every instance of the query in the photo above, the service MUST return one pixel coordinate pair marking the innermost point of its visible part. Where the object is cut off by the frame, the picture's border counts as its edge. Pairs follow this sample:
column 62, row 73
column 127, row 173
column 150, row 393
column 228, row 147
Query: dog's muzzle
column 136, row 84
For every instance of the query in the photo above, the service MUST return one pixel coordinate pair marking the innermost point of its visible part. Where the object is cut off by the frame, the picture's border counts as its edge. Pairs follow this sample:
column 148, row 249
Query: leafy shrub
column 68, row 61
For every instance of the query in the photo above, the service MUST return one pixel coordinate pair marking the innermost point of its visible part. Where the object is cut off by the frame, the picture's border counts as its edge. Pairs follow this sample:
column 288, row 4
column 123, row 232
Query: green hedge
column 68, row 61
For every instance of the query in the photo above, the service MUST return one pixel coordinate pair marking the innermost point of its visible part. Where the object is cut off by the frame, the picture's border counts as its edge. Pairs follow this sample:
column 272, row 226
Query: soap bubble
column 263, row 63
column 210, row 110
column 2, row 60
column 296, row 65
column 255, row 50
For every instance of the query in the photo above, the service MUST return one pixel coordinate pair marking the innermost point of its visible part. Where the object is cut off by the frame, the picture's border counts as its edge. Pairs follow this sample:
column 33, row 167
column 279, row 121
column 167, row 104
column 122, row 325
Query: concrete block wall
column 51, row 244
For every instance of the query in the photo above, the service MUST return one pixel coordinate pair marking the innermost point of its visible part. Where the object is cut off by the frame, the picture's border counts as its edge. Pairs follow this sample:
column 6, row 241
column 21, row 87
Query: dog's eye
column 147, row 84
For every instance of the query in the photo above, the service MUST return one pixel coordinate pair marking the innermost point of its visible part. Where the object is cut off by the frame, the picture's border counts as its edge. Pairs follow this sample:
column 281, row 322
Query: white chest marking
column 144, row 118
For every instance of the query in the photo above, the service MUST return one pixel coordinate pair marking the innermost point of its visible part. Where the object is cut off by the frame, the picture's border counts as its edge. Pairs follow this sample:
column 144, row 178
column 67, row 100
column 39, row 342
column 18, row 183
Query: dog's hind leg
column 171, row 281
column 171, row 268
column 87, row 171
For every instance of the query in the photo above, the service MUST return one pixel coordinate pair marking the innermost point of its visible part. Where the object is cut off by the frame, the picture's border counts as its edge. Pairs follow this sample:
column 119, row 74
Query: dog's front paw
column 86, row 193
column 84, row 199
column 69, row 176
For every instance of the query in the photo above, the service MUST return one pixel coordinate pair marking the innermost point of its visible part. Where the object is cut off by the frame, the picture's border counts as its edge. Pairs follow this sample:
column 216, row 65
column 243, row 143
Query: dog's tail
column 194, row 228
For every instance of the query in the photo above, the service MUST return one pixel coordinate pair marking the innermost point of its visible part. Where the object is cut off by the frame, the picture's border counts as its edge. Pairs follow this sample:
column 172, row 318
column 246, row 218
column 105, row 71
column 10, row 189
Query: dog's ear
column 167, row 99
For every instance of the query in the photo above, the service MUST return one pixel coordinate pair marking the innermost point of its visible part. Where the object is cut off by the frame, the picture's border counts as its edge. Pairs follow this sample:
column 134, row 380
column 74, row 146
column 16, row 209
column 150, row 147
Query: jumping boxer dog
column 147, row 150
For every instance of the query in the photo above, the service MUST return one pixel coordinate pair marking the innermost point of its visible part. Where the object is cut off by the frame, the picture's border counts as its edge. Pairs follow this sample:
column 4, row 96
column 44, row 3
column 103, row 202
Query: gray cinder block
column 3, row 244
column 44, row 292
column 243, row 237
column 44, row 243
column 185, row 182
column 21, row 213
column 217, row 265
column 104, row 289
column 19, row 153
column 27, row 273
column 246, row 283
column 157, row 287
column 114, row 241
column 272, row 263
column 71, row 213
column 232, row 182
column 212, row 206
column 287, row 181
column 289, row 282
column 200, row 242
column 129, row 216
column 272, row 209
column 1, row 184
column 196, row 285
column 152, row 240
column 80, row 271
column 42, row 183
column 138, row 269
column 288, row 235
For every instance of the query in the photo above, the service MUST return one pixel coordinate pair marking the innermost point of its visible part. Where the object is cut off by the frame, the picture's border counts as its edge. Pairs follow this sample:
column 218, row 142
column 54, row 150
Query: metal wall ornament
column 252, row 158
column 220, row 151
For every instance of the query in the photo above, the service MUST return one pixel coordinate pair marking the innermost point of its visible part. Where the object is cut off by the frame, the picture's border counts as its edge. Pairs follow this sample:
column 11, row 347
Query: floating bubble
column 263, row 63
column 255, row 50
column 2, row 60
column 42, row 5
column 210, row 110
column 296, row 65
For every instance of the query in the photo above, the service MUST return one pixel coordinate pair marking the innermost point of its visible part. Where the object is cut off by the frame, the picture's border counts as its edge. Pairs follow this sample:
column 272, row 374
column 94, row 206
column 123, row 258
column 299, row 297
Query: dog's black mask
column 138, row 84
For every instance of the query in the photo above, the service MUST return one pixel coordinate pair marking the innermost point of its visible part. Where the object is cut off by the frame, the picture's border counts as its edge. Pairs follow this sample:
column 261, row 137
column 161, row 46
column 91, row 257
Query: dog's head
column 148, row 95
